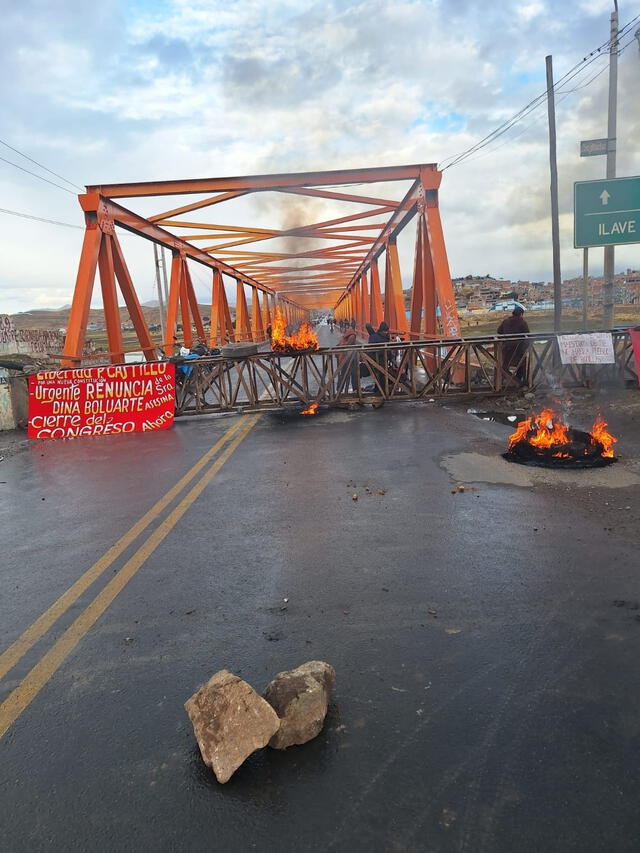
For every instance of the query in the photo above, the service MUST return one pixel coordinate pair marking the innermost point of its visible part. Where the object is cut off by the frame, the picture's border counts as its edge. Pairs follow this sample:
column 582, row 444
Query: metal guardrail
column 381, row 373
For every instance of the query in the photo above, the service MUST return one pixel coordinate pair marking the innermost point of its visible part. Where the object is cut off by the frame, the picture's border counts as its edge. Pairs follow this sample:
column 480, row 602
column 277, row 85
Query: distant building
column 507, row 305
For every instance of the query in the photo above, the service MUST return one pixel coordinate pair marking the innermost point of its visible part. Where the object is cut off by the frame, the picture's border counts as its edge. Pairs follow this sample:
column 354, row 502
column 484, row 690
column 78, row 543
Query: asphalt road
column 485, row 642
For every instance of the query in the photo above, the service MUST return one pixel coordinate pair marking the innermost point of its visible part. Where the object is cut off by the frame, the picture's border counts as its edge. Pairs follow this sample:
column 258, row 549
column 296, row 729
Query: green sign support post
column 607, row 212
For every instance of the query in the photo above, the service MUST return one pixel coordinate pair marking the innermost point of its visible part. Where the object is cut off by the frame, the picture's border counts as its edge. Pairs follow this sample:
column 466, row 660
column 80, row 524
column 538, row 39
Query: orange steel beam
column 256, row 237
column 432, row 277
column 108, row 213
column 195, row 205
column 264, row 182
column 364, row 302
column 375, row 303
column 359, row 199
column 443, row 285
column 266, row 320
column 329, row 223
column 108, row 210
column 79, row 314
column 217, row 226
column 347, row 258
column 416, row 322
column 193, row 304
column 132, row 302
column 257, row 327
column 221, row 329
column 216, row 322
column 172, row 303
column 231, row 332
column 243, row 328
column 402, row 216
column 110, row 301
column 184, row 306
column 316, row 253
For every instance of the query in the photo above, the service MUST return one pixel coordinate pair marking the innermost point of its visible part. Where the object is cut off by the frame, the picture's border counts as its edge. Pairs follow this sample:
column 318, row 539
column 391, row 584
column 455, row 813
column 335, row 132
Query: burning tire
column 544, row 440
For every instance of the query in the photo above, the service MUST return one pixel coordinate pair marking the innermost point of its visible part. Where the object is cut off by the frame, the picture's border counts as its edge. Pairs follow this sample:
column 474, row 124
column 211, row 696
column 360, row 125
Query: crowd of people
column 350, row 367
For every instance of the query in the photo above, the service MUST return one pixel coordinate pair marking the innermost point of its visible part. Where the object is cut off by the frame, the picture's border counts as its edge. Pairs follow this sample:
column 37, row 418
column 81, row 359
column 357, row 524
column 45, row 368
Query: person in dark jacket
column 383, row 331
column 513, row 352
column 349, row 361
column 200, row 348
column 379, row 336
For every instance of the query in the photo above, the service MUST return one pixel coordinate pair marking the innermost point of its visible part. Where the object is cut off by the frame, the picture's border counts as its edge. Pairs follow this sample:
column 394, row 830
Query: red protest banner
column 634, row 334
column 117, row 398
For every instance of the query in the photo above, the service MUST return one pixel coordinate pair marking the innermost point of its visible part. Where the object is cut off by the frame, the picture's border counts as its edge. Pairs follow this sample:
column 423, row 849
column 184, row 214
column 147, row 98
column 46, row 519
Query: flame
column 313, row 408
column 304, row 339
column 546, row 431
column 599, row 433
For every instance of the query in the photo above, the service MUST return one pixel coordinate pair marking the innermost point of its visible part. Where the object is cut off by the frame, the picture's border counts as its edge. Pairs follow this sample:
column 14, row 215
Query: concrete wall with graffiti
column 7, row 419
column 27, row 341
column 36, row 342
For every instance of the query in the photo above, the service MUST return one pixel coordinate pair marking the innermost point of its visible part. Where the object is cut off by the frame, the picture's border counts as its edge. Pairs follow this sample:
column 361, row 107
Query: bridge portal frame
column 348, row 260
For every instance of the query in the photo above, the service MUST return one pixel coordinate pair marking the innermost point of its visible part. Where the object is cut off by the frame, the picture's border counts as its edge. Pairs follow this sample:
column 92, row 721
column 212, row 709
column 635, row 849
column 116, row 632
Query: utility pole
column 156, row 257
column 164, row 276
column 585, row 287
column 555, row 228
column 609, row 253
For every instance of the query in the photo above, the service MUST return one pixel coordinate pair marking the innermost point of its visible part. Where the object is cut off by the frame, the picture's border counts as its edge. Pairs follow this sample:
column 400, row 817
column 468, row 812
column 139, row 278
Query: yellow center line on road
column 10, row 657
column 20, row 698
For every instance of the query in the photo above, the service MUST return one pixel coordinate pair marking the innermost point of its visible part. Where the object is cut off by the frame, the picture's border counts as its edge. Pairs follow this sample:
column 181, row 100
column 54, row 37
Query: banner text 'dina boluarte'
column 108, row 400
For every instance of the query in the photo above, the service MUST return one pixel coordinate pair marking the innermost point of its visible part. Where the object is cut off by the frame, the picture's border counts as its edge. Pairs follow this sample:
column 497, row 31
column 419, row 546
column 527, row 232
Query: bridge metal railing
column 379, row 373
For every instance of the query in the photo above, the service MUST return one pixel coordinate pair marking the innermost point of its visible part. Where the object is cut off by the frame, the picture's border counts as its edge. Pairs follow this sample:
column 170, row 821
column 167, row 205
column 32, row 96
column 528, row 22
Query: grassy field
column 542, row 321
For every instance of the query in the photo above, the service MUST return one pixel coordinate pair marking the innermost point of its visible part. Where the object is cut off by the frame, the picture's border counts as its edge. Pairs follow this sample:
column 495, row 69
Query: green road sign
column 606, row 213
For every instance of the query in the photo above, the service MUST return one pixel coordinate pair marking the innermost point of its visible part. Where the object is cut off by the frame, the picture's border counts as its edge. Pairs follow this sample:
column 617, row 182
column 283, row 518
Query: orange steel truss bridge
column 324, row 264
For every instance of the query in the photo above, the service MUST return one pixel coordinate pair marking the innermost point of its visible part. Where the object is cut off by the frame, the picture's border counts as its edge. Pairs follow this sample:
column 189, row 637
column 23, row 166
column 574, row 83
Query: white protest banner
column 594, row 348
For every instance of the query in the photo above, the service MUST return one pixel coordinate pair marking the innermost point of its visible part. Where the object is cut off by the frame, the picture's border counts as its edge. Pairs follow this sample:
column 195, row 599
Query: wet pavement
column 485, row 641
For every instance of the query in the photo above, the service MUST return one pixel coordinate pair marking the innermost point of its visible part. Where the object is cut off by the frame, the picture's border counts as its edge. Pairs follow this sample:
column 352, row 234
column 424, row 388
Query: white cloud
column 186, row 88
column 529, row 11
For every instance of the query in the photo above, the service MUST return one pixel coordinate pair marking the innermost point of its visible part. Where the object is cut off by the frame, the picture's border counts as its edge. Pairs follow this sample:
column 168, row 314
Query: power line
column 35, row 175
column 540, row 99
column 578, row 68
column 584, row 85
column 121, row 233
column 565, row 94
column 529, row 108
column 38, row 218
column 51, row 172
column 509, row 123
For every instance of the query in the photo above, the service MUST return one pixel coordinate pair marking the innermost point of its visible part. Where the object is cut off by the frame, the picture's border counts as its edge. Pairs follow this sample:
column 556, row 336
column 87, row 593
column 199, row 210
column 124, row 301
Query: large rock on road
column 300, row 697
column 230, row 721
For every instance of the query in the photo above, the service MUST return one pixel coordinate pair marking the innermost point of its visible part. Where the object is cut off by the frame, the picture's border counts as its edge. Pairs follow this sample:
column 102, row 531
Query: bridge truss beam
column 301, row 265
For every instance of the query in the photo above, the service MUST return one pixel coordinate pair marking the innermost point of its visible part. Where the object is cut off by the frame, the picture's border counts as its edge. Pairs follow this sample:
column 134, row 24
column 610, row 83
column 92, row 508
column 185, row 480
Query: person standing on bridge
column 514, row 352
column 348, row 362
column 383, row 333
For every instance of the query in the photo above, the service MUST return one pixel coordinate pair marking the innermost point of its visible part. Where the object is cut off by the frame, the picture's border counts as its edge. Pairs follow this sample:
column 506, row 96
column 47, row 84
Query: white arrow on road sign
column 604, row 197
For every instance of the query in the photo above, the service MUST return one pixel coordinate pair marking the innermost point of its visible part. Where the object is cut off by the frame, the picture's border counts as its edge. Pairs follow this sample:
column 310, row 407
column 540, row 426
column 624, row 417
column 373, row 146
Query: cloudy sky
column 140, row 90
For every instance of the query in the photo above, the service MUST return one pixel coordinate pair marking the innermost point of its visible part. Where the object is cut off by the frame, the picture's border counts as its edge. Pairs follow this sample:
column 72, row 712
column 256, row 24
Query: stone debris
column 300, row 697
column 230, row 721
